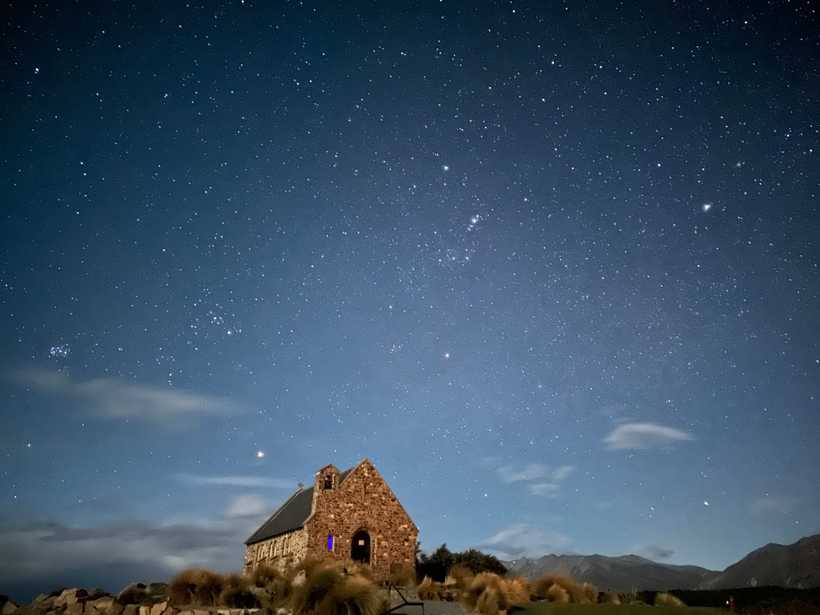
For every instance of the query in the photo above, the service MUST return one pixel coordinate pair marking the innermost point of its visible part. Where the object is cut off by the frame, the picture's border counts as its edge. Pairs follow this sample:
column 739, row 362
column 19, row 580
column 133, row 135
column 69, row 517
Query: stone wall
column 363, row 501
column 279, row 552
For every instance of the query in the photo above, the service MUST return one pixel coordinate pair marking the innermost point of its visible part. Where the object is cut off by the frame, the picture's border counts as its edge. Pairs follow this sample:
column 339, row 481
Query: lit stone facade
column 345, row 516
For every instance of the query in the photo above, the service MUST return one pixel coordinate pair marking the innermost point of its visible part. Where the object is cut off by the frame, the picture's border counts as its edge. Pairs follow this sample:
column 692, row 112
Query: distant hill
column 796, row 565
column 623, row 573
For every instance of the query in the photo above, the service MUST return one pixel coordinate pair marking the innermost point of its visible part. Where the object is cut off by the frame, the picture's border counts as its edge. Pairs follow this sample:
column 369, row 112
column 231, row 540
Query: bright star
column 706, row 207
column 260, row 454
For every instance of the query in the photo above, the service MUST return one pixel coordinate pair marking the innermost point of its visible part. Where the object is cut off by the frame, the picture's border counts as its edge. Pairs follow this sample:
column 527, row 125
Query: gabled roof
column 289, row 516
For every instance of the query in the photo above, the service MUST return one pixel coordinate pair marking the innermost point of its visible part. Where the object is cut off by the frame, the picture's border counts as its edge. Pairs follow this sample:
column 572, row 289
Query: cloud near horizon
column 523, row 540
column 641, row 436
column 114, row 398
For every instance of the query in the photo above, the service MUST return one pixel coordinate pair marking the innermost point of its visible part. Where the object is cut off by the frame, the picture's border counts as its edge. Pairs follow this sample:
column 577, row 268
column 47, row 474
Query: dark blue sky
column 553, row 268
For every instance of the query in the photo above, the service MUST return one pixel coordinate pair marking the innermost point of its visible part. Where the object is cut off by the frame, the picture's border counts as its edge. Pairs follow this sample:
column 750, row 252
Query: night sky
column 553, row 267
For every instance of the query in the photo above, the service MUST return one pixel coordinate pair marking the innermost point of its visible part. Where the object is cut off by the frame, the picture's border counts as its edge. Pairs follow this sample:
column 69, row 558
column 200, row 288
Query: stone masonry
column 356, row 506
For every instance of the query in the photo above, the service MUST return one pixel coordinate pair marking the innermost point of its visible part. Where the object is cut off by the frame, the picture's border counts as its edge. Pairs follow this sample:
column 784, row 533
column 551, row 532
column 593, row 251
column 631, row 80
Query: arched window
column 330, row 542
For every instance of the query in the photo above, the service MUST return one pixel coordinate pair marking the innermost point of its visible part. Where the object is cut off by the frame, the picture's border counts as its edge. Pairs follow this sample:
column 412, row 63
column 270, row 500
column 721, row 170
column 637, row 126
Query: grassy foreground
column 551, row 608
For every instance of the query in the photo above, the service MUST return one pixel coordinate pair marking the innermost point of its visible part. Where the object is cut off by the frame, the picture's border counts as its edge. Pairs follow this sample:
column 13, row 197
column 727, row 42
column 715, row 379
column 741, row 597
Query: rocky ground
column 136, row 599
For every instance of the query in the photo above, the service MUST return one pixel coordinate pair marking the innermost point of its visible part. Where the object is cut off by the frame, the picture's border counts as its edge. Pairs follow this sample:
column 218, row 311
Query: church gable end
column 345, row 516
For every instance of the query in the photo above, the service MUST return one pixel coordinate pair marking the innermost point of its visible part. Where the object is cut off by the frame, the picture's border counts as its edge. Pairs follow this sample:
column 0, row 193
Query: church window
column 328, row 482
column 330, row 542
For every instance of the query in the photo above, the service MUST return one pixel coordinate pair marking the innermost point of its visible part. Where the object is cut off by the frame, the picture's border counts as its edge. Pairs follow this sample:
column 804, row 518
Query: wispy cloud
column 635, row 436
column 116, row 399
column 236, row 481
column 543, row 480
column 773, row 504
column 522, row 540
column 247, row 505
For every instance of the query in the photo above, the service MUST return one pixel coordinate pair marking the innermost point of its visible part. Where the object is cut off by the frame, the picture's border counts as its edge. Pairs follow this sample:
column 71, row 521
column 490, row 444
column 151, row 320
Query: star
column 706, row 207
column 260, row 454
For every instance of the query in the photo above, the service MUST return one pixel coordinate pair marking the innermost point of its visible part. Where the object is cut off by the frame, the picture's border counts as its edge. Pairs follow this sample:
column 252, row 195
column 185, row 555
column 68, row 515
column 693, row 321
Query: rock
column 8, row 608
column 101, row 605
column 75, row 608
column 133, row 593
column 40, row 598
column 130, row 609
column 70, row 596
column 188, row 612
column 116, row 608
column 145, row 610
column 159, row 608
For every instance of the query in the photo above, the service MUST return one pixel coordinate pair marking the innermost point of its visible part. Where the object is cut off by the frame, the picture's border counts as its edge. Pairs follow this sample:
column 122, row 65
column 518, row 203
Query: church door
column 360, row 549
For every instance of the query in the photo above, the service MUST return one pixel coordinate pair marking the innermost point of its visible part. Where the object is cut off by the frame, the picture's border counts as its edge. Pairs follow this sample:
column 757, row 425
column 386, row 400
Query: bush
column 428, row 590
column 236, row 593
column 355, row 595
column 609, row 598
column 264, row 574
column 490, row 584
column 558, row 594
column 665, row 599
column 516, row 591
column 590, row 593
column 197, row 587
column 489, row 602
column 327, row 590
column 402, row 575
column 442, row 560
column 542, row 585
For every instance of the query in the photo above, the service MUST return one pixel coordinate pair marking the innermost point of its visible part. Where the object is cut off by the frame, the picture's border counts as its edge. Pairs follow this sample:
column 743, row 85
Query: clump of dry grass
column 576, row 592
column 516, row 590
column 489, row 601
column 590, row 592
column 327, row 590
column 428, row 589
column 462, row 576
column 557, row 594
column 264, row 574
column 197, row 587
column 665, row 599
column 236, row 593
column 609, row 598
column 402, row 575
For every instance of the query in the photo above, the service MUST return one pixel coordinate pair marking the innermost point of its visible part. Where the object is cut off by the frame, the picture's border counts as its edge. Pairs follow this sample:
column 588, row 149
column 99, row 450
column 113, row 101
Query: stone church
column 349, row 516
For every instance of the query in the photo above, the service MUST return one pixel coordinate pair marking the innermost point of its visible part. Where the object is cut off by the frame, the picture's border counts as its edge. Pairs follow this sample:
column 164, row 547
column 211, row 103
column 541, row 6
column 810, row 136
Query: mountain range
column 796, row 565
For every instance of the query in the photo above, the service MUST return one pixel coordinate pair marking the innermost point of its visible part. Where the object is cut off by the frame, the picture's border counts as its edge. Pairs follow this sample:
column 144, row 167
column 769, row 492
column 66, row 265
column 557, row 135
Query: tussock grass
column 609, row 598
column 197, row 587
column 557, row 594
column 328, row 590
column 462, row 576
column 428, row 589
column 577, row 593
column 236, row 593
column 489, row 601
column 665, row 599
column 516, row 590
column 403, row 575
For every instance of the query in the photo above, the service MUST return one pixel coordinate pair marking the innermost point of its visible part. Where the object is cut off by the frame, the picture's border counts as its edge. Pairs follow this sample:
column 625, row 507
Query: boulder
column 145, row 610
column 159, row 608
column 70, row 596
column 130, row 609
column 75, row 608
column 134, row 593
column 8, row 607
column 157, row 589
column 100, row 605
column 116, row 608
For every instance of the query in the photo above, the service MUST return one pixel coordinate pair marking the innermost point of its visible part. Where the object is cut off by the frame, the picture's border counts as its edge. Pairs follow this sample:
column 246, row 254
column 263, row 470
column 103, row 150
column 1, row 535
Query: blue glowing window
column 330, row 542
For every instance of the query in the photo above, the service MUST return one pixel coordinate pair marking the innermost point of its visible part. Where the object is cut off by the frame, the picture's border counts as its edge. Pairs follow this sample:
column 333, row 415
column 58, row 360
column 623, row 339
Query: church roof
column 289, row 516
